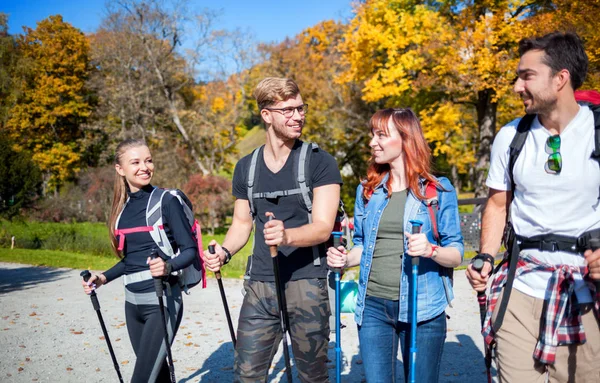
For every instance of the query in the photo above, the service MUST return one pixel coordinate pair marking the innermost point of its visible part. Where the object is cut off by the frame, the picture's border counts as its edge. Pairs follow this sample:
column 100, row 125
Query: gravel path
column 49, row 332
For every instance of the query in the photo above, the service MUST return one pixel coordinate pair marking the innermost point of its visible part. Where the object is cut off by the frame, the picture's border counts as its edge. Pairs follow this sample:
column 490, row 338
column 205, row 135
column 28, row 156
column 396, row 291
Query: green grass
column 54, row 258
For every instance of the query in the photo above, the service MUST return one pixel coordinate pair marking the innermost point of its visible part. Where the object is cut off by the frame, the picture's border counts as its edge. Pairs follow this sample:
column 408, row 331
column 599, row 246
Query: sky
column 269, row 20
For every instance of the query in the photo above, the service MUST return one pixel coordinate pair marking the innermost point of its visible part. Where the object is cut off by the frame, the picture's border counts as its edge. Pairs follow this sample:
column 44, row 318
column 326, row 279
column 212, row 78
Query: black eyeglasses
column 554, row 163
column 289, row 111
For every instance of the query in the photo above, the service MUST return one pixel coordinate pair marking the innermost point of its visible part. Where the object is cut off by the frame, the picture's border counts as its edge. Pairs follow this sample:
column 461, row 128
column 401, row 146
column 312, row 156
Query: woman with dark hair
column 392, row 195
column 132, row 242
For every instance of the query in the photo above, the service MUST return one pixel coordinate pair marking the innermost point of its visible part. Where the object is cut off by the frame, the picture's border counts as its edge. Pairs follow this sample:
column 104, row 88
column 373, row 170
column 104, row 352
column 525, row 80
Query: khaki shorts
column 519, row 334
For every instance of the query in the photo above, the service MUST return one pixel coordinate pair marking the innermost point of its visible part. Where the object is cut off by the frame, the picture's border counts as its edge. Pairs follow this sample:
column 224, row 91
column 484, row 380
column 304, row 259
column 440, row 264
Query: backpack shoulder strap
column 302, row 173
column 154, row 218
column 517, row 143
column 253, row 178
column 302, row 170
column 431, row 200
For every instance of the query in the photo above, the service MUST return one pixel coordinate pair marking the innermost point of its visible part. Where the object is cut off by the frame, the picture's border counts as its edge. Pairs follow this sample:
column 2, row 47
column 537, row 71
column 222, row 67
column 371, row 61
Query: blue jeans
column 381, row 333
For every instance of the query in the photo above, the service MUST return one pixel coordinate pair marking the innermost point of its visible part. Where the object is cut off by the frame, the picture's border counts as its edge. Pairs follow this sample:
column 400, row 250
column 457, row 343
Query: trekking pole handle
column 595, row 245
column 211, row 249
column 416, row 229
column 272, row 248
column 478, row 266
column 86, row 275
column 337, row 242
column 158, row 284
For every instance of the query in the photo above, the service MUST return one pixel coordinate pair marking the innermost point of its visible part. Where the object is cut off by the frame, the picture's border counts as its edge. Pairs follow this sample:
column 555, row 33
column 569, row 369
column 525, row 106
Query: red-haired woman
column 392, row 195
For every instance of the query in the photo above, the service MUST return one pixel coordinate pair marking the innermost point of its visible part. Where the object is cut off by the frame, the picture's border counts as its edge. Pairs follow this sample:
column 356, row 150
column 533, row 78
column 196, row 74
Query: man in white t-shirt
column 554, row 209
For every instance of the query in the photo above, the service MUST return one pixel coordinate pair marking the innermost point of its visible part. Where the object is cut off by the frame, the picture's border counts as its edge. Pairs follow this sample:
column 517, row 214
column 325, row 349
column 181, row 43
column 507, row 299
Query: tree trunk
column 486, row 120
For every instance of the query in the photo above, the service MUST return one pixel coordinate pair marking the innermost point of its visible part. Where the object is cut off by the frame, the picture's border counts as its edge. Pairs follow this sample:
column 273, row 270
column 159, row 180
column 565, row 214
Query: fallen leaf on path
column 76, row 332
column 118, row 339
column 59, row 355
column 188, row 344
column 69, row 369
column 32, row 314
column 97, row 369
column 125, row 362
column 27, row 359
column 20, row 369
column 101, row 338
column 22, row 345
column 59, row 299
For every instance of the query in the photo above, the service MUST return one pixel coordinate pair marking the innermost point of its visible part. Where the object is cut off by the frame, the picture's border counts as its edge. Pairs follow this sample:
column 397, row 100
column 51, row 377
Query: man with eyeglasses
column 548, row 329
column 298, row 231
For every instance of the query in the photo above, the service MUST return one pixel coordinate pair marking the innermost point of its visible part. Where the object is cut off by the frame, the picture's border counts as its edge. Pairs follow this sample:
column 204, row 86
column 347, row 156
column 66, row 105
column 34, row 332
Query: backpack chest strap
column 122, row 232
column 276, row 194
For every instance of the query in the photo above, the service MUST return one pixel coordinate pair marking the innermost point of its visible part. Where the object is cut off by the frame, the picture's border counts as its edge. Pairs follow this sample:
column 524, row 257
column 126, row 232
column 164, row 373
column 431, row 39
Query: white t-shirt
column 564, row 204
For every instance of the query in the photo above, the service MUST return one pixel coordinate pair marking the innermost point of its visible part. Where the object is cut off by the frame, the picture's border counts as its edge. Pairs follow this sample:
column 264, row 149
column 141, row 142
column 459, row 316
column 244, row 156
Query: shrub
column 211, row 198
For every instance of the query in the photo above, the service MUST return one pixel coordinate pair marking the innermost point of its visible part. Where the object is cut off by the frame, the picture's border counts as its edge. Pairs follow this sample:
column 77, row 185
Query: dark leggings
column 145, row 327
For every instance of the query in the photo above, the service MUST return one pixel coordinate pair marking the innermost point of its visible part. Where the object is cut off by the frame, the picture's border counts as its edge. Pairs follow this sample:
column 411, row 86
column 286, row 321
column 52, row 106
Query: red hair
column 417, row 154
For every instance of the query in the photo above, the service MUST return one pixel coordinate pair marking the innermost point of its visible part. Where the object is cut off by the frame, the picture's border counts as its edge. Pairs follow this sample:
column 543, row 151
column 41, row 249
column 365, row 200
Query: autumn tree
column 337, row 116
column 150, row 85
column 211, row 197
column 53, row 101
column 452, row 61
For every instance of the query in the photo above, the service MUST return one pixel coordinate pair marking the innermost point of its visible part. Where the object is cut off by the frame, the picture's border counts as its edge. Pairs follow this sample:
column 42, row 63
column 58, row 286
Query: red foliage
column 211, row 197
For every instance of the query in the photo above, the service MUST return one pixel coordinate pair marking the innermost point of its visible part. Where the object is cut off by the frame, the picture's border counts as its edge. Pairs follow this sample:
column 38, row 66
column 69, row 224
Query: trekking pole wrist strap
column 227, row 255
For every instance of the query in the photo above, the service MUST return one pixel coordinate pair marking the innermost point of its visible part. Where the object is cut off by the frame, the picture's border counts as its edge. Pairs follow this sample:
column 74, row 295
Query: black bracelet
column 227, row 255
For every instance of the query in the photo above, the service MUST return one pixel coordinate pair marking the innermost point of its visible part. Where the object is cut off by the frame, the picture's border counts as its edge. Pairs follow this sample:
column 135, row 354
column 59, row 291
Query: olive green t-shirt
column 384, row 280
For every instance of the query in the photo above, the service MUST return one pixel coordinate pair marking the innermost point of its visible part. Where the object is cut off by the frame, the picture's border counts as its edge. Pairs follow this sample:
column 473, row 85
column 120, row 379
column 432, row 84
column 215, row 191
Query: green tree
column 21, row 179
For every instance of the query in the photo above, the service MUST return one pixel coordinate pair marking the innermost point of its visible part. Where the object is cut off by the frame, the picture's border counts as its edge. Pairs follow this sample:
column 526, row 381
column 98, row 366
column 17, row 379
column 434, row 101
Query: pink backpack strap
column 122, row 232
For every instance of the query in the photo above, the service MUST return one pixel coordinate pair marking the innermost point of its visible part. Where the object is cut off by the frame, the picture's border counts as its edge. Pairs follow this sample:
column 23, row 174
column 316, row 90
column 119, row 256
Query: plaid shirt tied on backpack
column 561, row 318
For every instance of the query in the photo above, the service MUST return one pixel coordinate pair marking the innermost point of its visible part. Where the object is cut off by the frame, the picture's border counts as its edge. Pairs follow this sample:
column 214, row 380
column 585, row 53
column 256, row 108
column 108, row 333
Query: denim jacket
column 431, row 298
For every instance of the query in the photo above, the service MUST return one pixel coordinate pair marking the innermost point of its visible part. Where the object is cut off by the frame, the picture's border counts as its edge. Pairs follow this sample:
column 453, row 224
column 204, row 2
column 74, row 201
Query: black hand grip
column 415, row 229
column 337, row 242
column 86, row 275
column 158, row 283
column 211, row 249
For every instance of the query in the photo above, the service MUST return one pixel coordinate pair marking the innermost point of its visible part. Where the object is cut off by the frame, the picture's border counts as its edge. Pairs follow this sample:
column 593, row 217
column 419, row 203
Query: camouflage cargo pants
column 259, row 330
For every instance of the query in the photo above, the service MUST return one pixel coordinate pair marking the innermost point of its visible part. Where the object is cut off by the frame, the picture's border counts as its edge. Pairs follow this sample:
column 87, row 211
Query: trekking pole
column 283, row 317
column 158, row 286
column 412, row 366
column 481, row 299
column 94, row 298
column 211, row 249
column 337, row 241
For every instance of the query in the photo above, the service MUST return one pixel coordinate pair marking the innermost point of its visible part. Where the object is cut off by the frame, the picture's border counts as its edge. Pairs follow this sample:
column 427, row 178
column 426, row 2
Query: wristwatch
column 227, row 255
